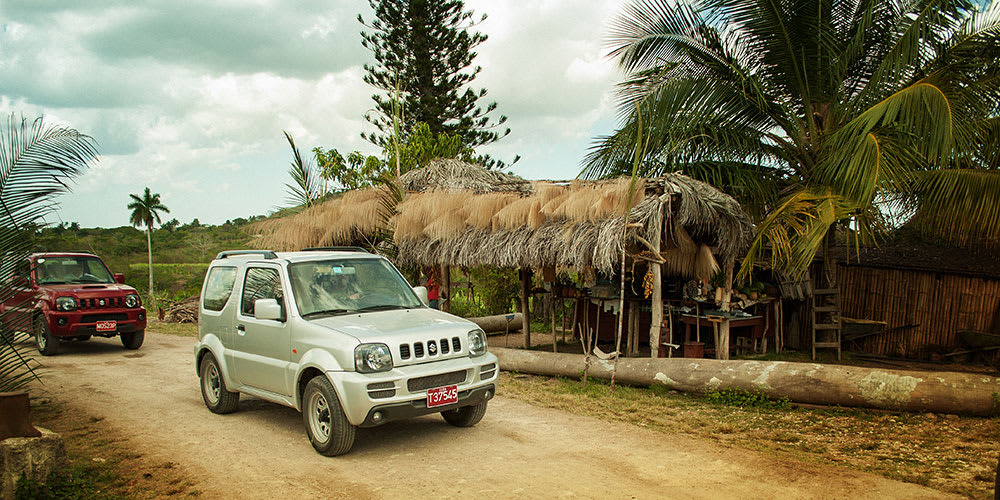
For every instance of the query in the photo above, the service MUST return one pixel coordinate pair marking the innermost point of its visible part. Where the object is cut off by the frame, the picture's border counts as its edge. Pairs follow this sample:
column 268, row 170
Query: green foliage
column 177, row 281
column 74, row 482
column 734, row 396
column 814, row 114
column 422, row 146
column 428, row 46
column 356, row 172
column 496, row 289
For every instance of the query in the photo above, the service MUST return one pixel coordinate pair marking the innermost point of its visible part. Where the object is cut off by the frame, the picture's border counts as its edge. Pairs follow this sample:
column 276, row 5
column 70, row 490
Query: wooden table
column 755, row 323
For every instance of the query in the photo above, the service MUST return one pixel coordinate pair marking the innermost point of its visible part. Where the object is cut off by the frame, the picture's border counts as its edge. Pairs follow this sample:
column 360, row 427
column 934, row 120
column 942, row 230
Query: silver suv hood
column 413, row 335
column 398, row 325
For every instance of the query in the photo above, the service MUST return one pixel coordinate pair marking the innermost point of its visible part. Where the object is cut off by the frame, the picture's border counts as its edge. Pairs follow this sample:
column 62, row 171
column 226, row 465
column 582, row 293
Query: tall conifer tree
column 424, row 50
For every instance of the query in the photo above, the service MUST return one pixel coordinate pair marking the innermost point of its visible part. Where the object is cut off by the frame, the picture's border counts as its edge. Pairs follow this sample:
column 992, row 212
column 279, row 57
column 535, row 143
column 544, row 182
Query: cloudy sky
column 190, row 97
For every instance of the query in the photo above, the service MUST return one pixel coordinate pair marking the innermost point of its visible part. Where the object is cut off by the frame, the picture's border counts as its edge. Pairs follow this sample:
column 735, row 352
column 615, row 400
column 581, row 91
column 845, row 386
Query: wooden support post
column 722, row 348
column 552, row 308
column 629, row 329
column 572, row 325
column 526, row 314
column 670, row 331
column 597, row 325
column 562, row 318
column 446, row 288
column 779, row 326
column 656, row 301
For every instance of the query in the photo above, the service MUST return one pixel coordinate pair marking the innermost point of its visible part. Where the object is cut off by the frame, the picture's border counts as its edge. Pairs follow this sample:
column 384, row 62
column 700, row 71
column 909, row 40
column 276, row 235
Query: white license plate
column 442, row 396
column 107, row 326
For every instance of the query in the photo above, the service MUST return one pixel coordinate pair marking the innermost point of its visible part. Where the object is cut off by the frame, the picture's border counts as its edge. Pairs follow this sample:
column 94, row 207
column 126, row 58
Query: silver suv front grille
column 430, row 348
column 423, row 383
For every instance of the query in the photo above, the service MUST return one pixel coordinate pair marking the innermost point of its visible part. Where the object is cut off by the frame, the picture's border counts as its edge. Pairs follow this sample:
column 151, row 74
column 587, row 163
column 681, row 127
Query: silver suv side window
column 260, row 283
column 218, row 287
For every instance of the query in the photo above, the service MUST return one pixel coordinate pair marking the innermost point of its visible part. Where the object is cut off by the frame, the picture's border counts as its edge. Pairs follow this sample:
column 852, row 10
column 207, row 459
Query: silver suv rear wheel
column 213, row 387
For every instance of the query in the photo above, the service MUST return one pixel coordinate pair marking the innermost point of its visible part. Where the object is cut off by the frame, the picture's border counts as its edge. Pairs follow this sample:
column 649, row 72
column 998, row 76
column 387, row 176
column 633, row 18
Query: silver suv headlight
column 65, row 304
column 371, row 358
column 131, row 300
column 477, row 342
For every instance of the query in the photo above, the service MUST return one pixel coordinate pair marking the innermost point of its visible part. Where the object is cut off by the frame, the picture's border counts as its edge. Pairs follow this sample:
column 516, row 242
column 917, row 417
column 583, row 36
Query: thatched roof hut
column 458, row 214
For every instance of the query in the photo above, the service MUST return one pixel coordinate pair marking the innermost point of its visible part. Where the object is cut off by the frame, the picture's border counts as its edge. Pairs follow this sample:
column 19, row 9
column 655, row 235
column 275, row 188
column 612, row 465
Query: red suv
column 73, row 296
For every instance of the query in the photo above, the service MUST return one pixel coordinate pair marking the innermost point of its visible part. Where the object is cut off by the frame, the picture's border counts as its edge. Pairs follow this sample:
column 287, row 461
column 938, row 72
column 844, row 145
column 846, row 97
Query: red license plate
column 442, row 396
column 107, row 326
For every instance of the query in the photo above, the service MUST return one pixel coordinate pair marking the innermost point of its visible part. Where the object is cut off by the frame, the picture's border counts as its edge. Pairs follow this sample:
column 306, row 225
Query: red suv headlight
column 65, row 303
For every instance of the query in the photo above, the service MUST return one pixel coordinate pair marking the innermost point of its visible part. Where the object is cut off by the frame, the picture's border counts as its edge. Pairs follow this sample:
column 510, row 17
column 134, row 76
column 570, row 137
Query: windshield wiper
column 383, row 307
column 328, row 312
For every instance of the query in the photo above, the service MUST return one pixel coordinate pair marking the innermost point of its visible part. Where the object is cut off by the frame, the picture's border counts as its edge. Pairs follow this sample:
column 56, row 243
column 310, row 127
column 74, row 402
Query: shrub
column 734, row 396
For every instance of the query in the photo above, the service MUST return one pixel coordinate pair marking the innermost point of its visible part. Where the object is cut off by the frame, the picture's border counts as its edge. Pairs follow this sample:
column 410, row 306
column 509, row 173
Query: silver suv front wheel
column 329, row 431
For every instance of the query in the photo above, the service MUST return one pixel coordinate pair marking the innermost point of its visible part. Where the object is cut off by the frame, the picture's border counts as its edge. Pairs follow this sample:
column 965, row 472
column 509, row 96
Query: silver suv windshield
column 344, row 286
column 66, row 270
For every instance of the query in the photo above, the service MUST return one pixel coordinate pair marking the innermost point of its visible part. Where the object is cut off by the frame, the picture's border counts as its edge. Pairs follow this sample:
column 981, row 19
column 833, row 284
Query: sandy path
column 517, row 451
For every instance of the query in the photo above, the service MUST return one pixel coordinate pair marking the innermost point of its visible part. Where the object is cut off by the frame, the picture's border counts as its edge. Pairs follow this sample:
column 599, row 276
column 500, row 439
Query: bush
column 171, row 281
column 734, row 396
column 496, row 289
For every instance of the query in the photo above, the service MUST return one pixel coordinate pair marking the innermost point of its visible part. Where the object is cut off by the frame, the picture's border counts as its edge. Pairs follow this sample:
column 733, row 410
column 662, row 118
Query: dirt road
column 517, row 451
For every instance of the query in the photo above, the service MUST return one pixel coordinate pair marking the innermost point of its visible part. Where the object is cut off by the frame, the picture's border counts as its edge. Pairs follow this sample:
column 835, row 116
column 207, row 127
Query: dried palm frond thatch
column 448, row 174
column 481, row 217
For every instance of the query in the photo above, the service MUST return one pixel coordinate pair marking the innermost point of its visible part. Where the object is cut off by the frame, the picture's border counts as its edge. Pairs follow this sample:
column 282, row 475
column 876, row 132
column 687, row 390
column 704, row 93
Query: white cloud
column 190, row 97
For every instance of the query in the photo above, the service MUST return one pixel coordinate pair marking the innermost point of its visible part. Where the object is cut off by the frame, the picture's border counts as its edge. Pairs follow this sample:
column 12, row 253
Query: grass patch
column 102, row 462
column 953, row 455
column 77, row 481
column 179, row 329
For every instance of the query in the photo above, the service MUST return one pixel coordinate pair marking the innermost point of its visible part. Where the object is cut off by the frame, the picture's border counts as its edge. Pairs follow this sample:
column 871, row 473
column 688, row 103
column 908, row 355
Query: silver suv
column 338, row 334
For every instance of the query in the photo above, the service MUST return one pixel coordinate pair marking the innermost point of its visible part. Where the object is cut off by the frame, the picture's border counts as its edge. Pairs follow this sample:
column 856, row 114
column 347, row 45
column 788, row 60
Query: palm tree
column 36, row 161
column 815, row 114
column 145, row 211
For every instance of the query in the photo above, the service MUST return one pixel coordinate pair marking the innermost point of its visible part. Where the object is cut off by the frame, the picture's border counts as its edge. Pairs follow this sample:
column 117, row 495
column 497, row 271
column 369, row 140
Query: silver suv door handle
column 242, row 330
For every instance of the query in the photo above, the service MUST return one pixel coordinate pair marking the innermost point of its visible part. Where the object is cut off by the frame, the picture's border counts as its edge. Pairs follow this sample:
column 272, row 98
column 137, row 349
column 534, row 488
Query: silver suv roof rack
column 335, row 249
column 267, row 254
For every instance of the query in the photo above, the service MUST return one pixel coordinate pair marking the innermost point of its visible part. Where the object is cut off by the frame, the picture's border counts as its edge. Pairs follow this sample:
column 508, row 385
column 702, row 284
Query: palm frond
column 960, row 205
column 794, row 231
column 36, row 162
column 306, row 188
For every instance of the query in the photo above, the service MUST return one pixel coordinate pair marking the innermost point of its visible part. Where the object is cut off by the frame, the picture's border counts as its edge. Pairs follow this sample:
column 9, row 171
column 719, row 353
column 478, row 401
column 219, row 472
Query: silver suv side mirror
column 421, row 292
column 266, row 309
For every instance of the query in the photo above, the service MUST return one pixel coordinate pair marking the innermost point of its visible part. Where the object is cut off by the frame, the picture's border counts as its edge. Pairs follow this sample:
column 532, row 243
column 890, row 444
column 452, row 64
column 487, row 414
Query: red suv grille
column 97, row 303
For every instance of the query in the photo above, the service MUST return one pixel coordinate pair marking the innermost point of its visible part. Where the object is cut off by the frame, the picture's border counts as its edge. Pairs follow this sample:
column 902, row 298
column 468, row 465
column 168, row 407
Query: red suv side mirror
column 119, row 278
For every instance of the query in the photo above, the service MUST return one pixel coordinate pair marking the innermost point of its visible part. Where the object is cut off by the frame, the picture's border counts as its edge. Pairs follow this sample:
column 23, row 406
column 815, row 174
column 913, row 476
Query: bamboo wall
column 941, row 304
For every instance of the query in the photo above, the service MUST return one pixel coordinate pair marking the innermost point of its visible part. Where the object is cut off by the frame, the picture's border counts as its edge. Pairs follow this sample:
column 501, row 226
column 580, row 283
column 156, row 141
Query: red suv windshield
column 65, row 270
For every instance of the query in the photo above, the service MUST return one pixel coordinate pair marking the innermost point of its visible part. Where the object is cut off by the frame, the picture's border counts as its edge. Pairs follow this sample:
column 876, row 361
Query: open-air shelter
column 450, row 213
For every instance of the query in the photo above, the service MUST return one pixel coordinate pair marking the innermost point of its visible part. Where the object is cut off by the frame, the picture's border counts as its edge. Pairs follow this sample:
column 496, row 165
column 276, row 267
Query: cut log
column 499, row 323
column 834, row 385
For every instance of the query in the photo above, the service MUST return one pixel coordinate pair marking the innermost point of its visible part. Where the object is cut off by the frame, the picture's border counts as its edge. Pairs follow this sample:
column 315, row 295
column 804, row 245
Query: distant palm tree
column 813, row 113
column 35, row 162
column 145, row 211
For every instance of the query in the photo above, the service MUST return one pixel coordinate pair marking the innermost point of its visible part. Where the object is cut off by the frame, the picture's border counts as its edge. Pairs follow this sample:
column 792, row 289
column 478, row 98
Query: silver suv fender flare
column 210, row 344
column 317, row 362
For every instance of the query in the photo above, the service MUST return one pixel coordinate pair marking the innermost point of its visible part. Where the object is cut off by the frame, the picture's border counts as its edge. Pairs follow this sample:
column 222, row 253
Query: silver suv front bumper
column 402, row 391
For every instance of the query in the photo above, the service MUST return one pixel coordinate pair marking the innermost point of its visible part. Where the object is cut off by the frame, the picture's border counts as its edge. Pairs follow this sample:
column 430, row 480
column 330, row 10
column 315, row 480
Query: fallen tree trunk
column 499, row 323
column 939, row 392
